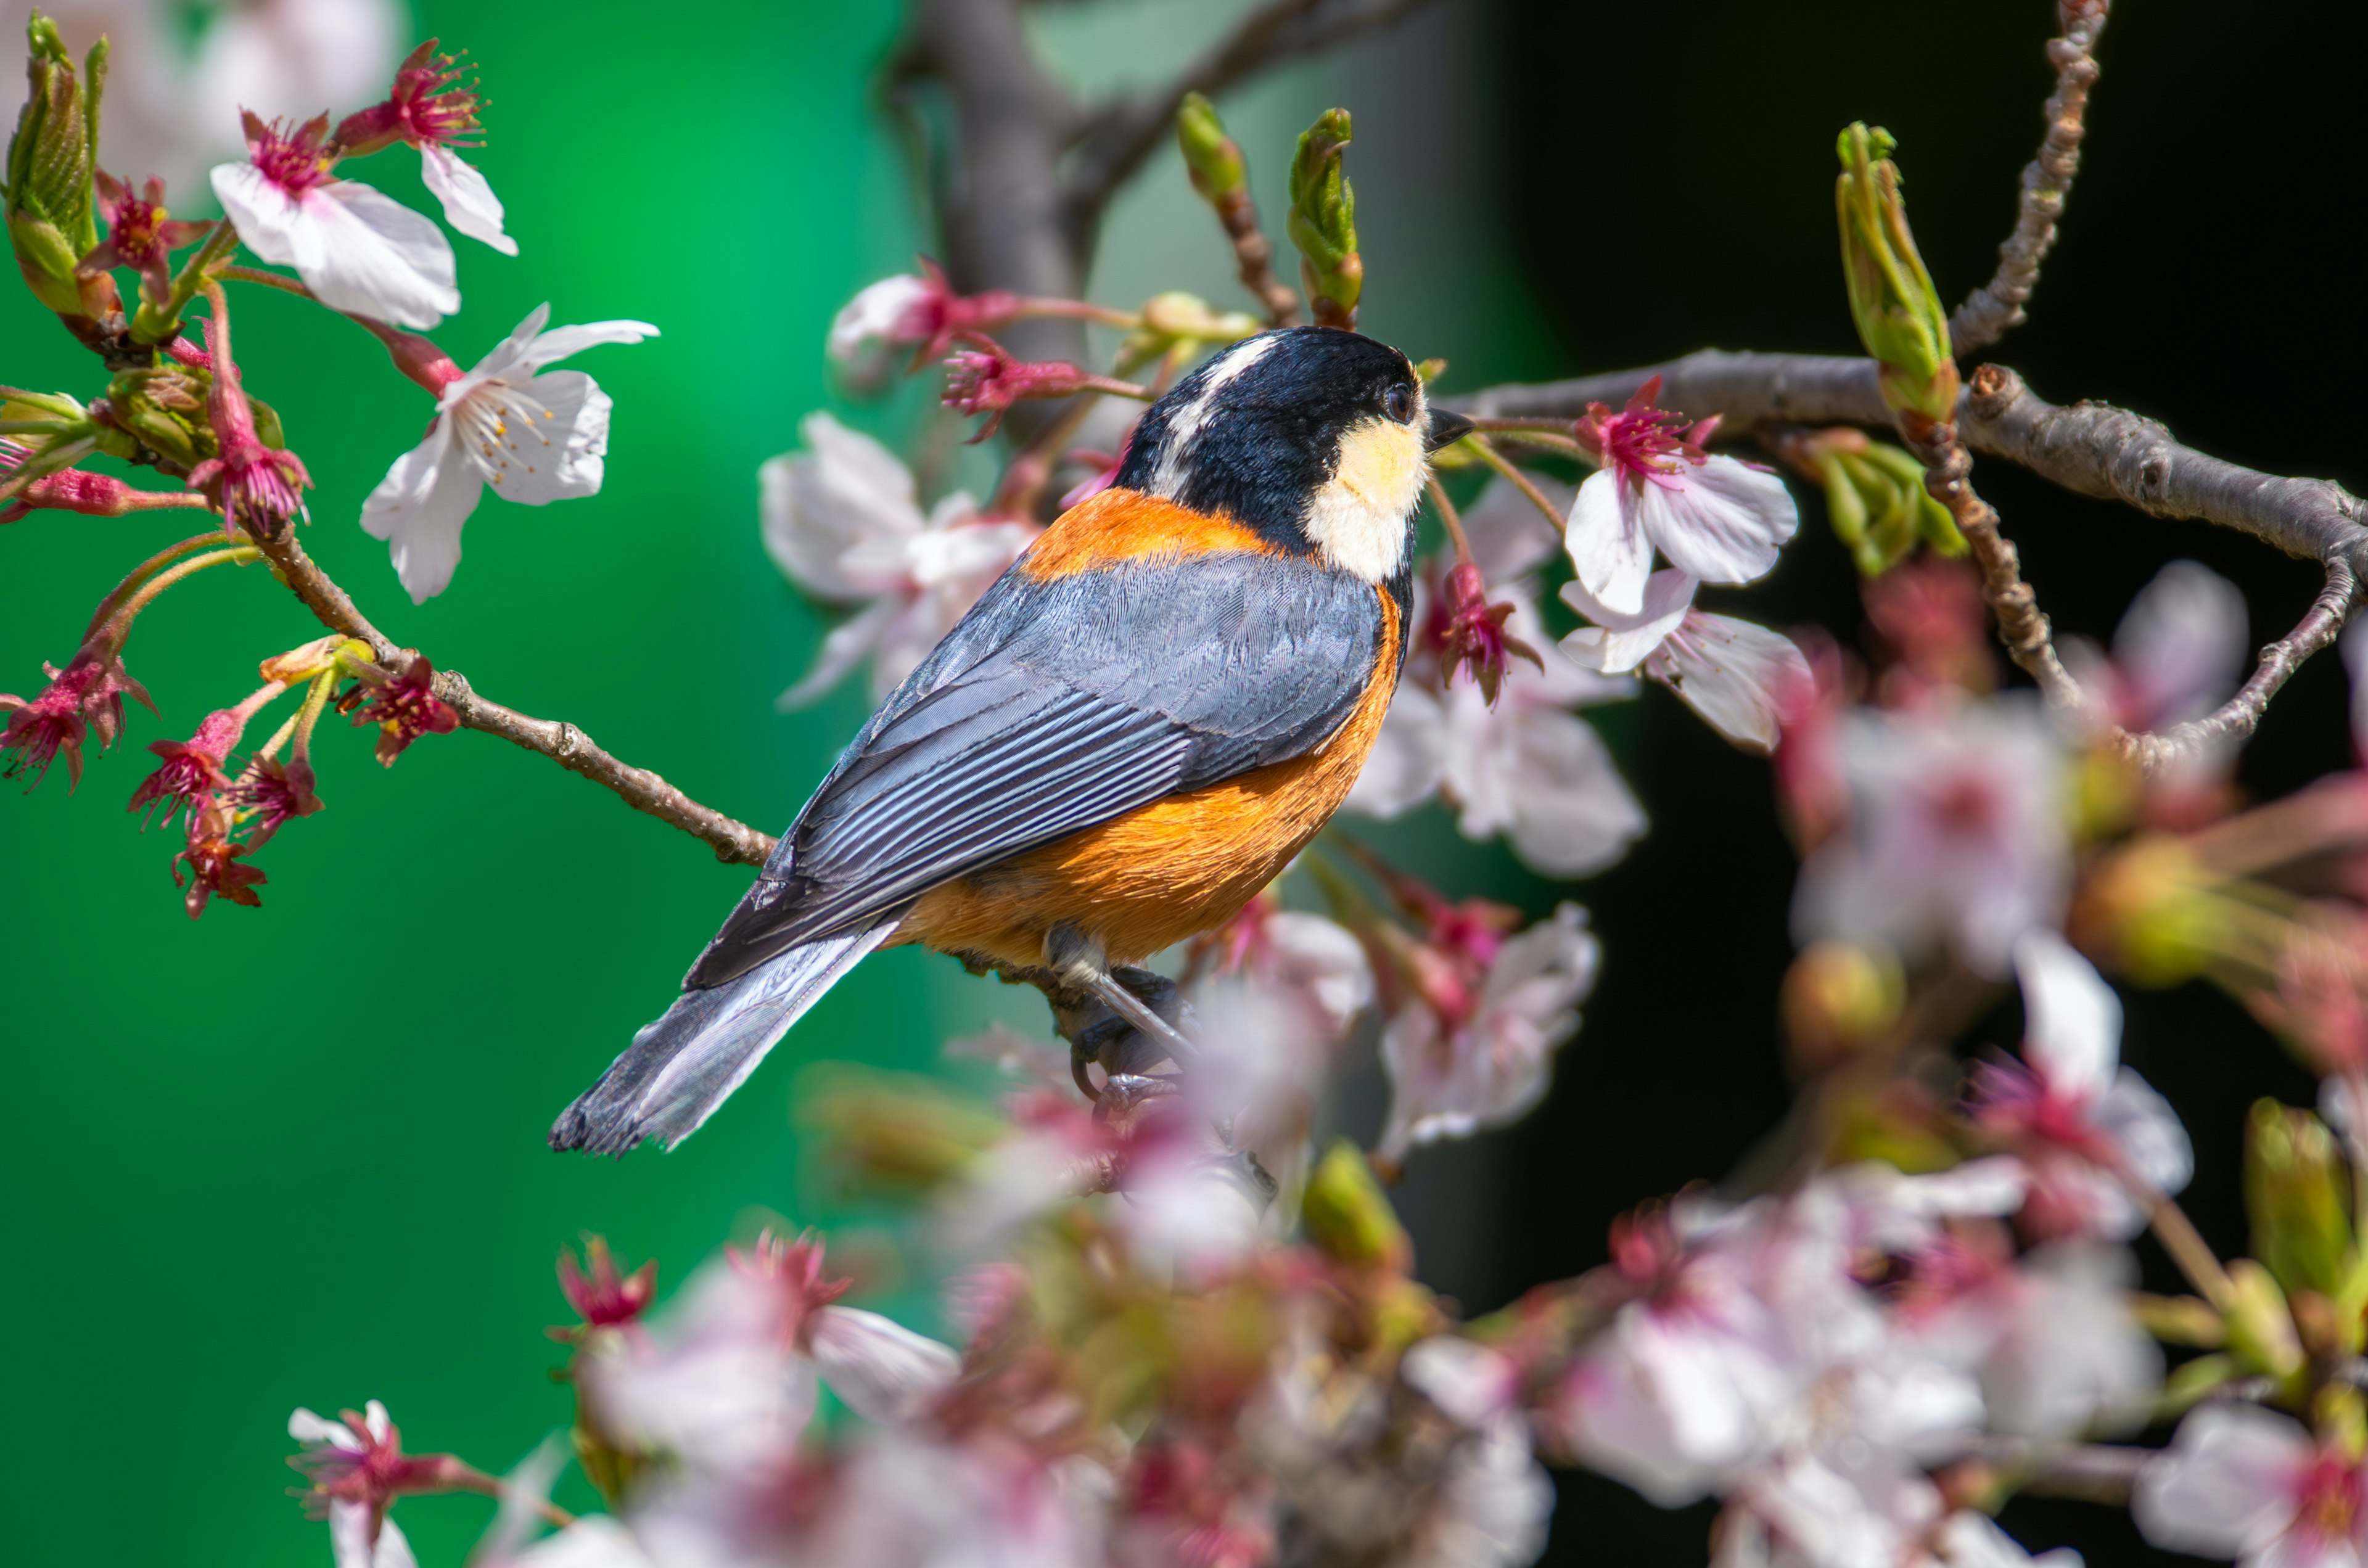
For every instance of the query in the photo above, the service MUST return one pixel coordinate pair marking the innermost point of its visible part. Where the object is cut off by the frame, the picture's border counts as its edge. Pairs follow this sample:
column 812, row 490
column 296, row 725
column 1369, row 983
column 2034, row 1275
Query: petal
column 377, row 257
column 408, row 483
column 1618, row 643
column 2181, row 644
column 1404, row 768
column 2072, row 1027
column 1738, row 676
column 393, row 1551
column 266, row 217
column 882, row 1370
column 424, row 530
column 558, row 456
column 848, row 644
column 562, row 341
column 1572, row 814
column 352, row 1540
column 506, row 354
column 1608, row 546
column 2149, row 1131
column 2226, row 1485
column 470, row 204
column 1723, row 523
column 1508, row 535
column 820, row 504
column 313, row 1430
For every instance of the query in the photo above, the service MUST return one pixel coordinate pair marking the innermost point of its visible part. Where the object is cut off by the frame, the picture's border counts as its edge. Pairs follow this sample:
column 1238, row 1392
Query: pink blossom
column 2243, row 1483
column 2086, row 1128
column 192, row 770
column 1654, row 488
column 1956, row 833
column 904, row 311
column 140, row 234
column 355, row 1468
column 985, row 379
column 433, row 108
column 358, row 250
column 253, row 485
column 842, row 520
column 1740, row 677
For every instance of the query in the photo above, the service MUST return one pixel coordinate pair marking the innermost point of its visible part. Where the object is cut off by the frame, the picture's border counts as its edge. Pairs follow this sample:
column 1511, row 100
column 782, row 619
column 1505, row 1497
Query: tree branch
column 1115, row 140
column 734, row 842
column 2091, row 448
column 1996, row 305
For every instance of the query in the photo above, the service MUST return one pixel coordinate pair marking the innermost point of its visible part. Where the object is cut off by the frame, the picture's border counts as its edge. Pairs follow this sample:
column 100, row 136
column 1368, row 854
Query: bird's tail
column 681, row 1068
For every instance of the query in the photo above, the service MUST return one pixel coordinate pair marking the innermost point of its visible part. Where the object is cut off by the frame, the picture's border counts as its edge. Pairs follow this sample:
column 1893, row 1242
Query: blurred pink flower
column 1741, row 678
column 355, row 1468
column 1654, row 488
column 903, row 312
column 842, row 521
column 2241, row 1481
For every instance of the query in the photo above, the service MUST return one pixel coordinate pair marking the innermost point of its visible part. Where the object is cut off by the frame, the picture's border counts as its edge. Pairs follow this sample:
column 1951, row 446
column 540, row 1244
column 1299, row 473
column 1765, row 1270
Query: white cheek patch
column 1358, row 518
column 1184, row 428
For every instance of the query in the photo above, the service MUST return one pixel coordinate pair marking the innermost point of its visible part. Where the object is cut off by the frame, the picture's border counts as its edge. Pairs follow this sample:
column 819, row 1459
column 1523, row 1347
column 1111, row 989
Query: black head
column 1314, row 437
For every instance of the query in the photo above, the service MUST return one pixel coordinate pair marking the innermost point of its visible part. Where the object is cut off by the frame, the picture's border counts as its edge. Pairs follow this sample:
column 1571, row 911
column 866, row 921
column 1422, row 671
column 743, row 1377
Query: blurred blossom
column 881, row 1370
column 536, row 435
column 1715, row 518
column 2178, row 655
column 1967, row 1540
column 843, row 521
column 1473, row 1046
column 355, row 1468
column 2354, row 645
column 875, row 329
column 1933, row 625
column 1524, row 767
column 1955, row 832
column 357, row 249
column 1741, row 678
column 2086, row 1127
column 2243, row 1483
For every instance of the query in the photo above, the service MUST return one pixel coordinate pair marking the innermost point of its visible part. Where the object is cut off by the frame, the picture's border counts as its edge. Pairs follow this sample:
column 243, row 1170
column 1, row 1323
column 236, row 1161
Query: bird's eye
column 1398, row 403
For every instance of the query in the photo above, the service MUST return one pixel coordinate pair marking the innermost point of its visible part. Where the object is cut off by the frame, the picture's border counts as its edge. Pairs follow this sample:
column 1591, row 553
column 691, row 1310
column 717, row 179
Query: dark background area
column 1677, row 194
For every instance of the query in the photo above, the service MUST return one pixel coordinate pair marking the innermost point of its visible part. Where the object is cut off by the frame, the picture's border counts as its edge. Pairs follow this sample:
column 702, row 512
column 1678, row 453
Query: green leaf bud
column 1897, row 311
column 2260, row 1328
column 1349, row 1217
column 53, row 222
column 2298, row 1193
column 1323, row 221
column 1212, row 158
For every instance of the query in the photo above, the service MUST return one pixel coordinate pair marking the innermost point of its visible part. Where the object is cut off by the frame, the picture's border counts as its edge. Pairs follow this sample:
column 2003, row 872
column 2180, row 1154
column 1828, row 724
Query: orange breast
column 1123, row 525
column 1165, row 871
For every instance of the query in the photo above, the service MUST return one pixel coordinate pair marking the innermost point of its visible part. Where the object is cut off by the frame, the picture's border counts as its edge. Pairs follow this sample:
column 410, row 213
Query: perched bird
column 1132, row 732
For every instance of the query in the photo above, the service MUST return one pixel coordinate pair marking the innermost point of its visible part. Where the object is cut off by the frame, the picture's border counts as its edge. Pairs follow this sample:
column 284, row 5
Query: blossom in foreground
column 1472, row 1047
column 536, row 435
column 405, row 707
column 357, row 249
column 1742, row 679
column 1524, row 766
column 192, row 769
column 140, row 233
column 843, row 521
column 431, row 108
column 1955, row 832
column 357, row 1469
column 901, row 312
column 1715, row 518
column 2086, row 1127
column 2243, row 1483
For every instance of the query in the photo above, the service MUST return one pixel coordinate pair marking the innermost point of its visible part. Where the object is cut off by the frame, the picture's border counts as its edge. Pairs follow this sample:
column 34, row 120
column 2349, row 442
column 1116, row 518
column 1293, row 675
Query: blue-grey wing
column 1053, row 706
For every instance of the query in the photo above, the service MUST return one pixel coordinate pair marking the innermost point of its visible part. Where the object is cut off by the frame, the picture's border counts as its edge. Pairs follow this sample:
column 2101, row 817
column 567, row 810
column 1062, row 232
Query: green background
column 294, row 1155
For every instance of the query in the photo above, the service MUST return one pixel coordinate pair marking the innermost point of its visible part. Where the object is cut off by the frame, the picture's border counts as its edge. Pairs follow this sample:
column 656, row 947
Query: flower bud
column 1212, row 158
column 1177, row 317
column 1837, row 996
column 1898, row 312
column 1875, row 498
column 1349, row 1217
column 2297, row 1196
column 1323, row 221
column 883, row 1134
column 51, row 160
column 2260, row 1329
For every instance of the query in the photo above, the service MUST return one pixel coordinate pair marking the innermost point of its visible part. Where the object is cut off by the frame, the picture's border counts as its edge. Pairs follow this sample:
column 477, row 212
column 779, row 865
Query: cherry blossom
column 432, row 106
column 1955, row 832
column 843, row 521
column 1740, row 677
column 902, row 312
column 536, row 435
column 2178, row 650
column 2086, row 1127
column 1474, row 1046
column 356, row 249
column 1525, row 766
column 1715, row 518
column 357, row 1469
column 2243, row 1483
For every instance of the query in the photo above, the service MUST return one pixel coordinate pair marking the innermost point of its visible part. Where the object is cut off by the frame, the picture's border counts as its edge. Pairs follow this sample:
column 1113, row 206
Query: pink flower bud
column 988, row 380
column 192, row 769
column 601, row 1295
column 406, row 707
column 1469, row 630
column 249, row 483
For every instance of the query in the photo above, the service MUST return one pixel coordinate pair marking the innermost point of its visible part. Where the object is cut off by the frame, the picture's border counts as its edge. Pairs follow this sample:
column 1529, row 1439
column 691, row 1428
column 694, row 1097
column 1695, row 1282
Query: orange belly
column 1162, row 872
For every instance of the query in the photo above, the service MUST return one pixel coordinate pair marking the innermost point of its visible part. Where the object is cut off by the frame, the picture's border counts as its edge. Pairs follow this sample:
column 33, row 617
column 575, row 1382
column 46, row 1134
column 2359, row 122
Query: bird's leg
column 1080, row 960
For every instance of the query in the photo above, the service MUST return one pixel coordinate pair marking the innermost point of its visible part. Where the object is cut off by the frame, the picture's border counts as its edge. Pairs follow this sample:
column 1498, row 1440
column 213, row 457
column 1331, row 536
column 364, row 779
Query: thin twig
column 1520, row 481
column 1998, row 304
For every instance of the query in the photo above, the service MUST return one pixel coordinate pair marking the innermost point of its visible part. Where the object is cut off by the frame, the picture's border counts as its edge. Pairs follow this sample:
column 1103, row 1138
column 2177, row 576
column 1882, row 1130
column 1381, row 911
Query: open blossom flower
column 2086, row 1127
column 355, row 248
column 212, row 863
column 904, row 312
column 254, row 486
column 842, row 520
column 1742, row 679
column 357, row 1469
column 2243, row 1483
column 406, row 707
column 140, row 233
column 1955, row 832
column 2178, row 650
column 83, row 699
column 192, row 769
column 432, row 108
column 268, row 793
column 1523, row 766
column 1474, row 1046
column 1715, row 518
column 536, row 435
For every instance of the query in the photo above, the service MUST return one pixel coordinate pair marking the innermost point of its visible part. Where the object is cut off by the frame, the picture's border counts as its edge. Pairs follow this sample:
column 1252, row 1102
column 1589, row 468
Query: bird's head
column 1317, row 438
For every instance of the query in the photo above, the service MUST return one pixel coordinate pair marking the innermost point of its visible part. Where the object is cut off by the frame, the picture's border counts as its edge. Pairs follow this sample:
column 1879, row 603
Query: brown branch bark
column 1996, row 305
column 2092, row 448
column 734, row 842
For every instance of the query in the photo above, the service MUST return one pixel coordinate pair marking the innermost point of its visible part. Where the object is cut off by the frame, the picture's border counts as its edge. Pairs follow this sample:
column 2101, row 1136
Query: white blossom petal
column 595, row 1540
column 550, row 347
column 1968, row 1540
column 470, row 204
column 1738, row 676
column 819, row 504
column 846, row 645
column 419, row 508
column 1609, row 546
column 2070, row 1358
column 364, row 252
column 556, row 452
column 1542, row 778
column 1409, row 758
column 265, row 216
column 1324, row 960
column 351, row 1539
column 1618, row 643
column 865, row 334
column 2147, row 1131
column 1721, row 522
column 883, row 1371
column 312, row 1431
column 2072, row 1028
column 1509, row 536
column 2180, row 647
column 2225, row 1485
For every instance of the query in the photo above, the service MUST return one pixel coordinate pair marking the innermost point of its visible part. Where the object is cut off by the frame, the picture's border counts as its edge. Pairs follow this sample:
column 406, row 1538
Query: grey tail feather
column 681, row 1068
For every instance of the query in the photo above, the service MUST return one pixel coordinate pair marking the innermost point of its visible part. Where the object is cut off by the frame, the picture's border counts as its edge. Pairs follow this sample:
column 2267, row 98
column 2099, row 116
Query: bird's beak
column 1447, row 427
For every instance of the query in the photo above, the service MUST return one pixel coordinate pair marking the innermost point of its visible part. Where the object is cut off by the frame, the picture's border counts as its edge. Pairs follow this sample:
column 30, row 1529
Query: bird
column 1134, row 730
